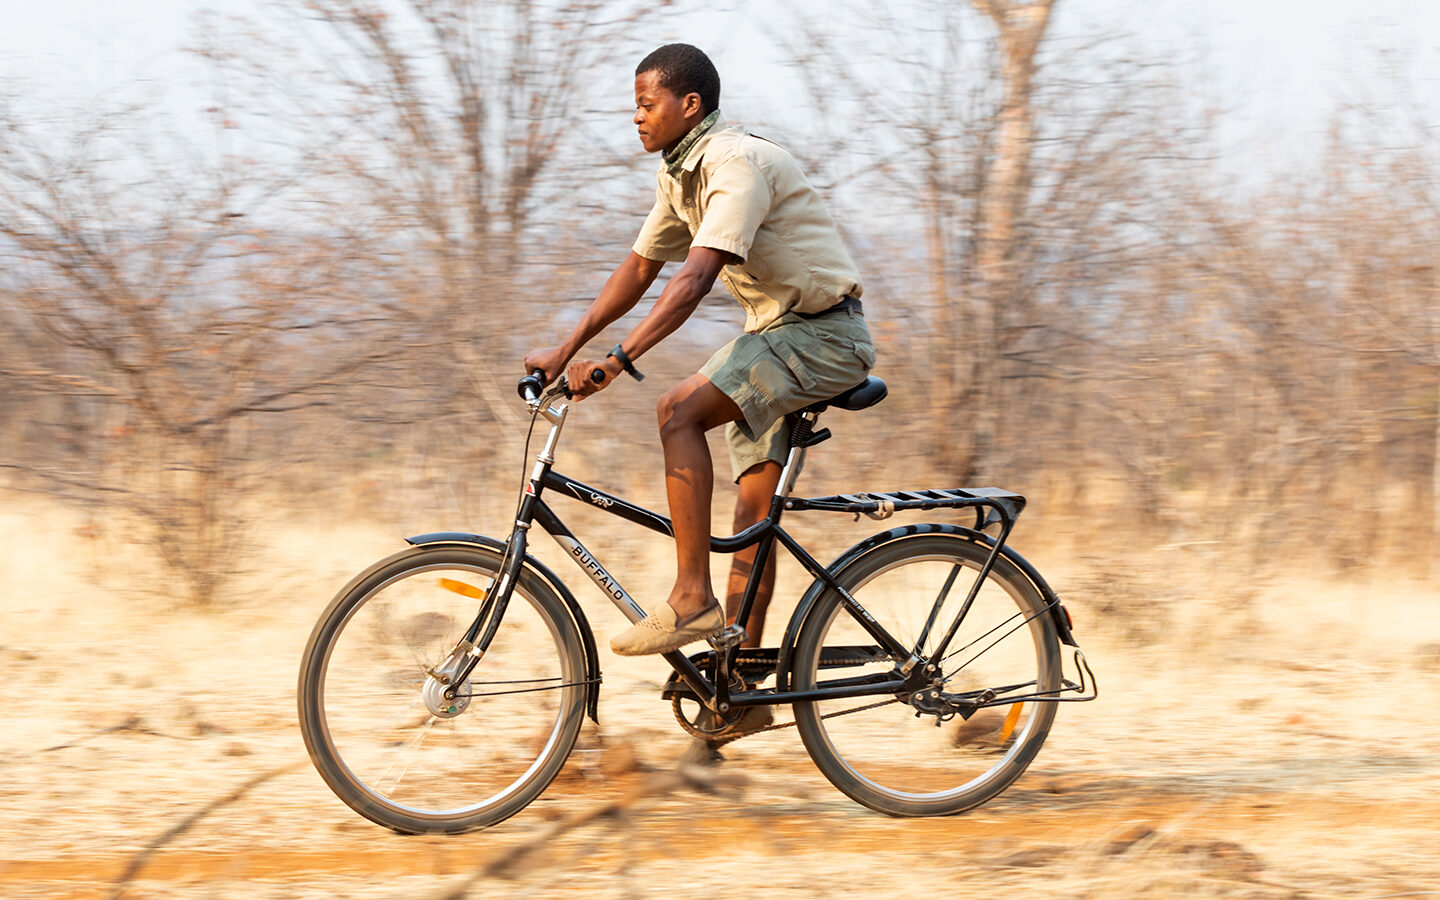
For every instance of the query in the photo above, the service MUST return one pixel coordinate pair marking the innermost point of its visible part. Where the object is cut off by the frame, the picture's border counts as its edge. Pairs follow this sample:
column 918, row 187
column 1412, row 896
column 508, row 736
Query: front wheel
column 374, row 716
column 881, row 751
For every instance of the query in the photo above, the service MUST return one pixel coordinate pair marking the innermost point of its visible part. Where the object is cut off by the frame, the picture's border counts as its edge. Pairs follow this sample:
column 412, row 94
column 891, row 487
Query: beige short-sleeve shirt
column 744, row 195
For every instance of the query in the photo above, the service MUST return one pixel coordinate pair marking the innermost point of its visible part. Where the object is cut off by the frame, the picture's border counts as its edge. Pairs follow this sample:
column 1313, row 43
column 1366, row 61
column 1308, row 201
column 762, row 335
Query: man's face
column 662, row 117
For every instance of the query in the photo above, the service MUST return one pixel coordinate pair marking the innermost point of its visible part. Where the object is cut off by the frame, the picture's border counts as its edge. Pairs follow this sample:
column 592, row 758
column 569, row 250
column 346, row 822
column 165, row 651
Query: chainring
column 706, row 724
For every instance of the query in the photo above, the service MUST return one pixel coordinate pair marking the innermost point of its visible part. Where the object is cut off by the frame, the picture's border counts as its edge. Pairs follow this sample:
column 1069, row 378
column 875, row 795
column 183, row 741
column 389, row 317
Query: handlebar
column 531, row 387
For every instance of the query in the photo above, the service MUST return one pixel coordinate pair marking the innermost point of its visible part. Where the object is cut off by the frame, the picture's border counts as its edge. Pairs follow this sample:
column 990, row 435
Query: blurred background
column 1169, row 273
column 268, row 270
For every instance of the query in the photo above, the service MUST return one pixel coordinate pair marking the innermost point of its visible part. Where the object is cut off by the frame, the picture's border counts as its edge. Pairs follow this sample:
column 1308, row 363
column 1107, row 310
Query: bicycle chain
column 720, row 738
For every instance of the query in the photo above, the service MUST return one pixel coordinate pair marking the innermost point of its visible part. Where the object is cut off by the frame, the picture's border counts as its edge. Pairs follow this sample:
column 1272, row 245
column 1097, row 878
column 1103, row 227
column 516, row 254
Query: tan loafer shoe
column 661, row 631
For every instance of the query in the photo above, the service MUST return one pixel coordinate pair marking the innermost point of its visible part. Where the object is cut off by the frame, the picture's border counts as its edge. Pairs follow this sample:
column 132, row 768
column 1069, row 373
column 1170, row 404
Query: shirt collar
column 676, row 161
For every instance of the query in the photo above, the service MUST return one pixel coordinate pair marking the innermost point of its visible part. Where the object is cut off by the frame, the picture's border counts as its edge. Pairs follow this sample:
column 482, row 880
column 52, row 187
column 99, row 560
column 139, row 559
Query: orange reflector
column 1012, row 718
column 461, row 588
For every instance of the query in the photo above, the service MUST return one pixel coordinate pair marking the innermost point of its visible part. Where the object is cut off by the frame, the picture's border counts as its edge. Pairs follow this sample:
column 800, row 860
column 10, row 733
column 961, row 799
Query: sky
column 1282, row 63
column 1281, row 66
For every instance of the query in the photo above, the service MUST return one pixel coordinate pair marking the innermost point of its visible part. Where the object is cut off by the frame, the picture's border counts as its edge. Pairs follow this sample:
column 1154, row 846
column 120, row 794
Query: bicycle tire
column 890, row 758
column 365, row 719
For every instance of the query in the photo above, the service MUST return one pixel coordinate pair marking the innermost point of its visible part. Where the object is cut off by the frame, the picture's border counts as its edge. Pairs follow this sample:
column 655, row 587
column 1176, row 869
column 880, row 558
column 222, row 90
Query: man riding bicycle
column 734, row 206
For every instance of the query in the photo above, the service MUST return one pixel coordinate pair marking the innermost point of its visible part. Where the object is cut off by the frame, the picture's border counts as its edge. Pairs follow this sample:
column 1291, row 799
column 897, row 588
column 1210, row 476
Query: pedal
column 730, row 636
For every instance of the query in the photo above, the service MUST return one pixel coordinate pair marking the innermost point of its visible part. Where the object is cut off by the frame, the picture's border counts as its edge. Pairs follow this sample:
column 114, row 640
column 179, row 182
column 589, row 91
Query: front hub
column 435, row 700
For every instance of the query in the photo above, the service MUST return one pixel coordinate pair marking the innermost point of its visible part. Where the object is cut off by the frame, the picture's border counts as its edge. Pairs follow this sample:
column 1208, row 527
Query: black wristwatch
column 619, row 353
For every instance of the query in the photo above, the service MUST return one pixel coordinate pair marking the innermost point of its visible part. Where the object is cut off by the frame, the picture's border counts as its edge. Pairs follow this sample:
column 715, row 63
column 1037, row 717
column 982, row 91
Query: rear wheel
column 878, row 750
column 378, row 725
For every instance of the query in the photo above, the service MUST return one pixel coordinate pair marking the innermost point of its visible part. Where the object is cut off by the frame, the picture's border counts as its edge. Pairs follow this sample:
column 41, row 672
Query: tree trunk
column 1004, row 192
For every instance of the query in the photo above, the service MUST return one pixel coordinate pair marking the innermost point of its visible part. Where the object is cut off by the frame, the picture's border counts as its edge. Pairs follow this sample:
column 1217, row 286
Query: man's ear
column 693, row 104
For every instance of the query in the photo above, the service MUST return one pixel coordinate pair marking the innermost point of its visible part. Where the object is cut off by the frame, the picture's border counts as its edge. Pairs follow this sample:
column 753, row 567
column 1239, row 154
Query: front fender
column 577, row 615
column 812, row 595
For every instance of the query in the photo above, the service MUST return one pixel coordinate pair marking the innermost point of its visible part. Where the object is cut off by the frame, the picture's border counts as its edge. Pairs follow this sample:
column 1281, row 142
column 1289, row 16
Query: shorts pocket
column 865, row 352
column 797, row 353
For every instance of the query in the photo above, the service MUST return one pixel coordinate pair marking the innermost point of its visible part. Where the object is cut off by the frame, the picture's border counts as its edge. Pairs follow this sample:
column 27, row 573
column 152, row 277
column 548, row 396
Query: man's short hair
column 682, row 70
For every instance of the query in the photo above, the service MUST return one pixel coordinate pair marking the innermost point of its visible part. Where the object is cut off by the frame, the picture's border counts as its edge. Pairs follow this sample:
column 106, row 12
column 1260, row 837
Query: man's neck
column 674, row 158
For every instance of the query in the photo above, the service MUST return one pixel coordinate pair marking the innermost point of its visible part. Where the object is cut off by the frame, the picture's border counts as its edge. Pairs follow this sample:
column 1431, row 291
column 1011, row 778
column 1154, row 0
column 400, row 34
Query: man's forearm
column 679, row 300
column 622, row 290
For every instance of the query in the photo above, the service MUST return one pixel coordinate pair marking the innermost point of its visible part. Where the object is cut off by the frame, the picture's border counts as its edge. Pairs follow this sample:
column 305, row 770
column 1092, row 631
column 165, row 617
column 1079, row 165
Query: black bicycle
column 444, row 687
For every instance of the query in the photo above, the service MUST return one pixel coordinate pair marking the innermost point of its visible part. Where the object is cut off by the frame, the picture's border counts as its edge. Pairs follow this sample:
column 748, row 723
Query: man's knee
column 693, row 403
column 670, row 410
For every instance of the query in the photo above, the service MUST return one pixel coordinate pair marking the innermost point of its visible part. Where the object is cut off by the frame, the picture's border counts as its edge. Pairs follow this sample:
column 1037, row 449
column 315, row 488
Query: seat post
column 802, row 428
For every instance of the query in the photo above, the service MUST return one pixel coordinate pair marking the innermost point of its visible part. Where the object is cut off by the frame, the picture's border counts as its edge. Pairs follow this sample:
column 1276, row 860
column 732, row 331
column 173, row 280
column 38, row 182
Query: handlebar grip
column 531, row 385
column 597, row 376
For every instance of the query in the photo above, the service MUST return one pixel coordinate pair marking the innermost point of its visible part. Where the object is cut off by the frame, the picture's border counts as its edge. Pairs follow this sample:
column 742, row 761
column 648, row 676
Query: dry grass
column 1272, row 739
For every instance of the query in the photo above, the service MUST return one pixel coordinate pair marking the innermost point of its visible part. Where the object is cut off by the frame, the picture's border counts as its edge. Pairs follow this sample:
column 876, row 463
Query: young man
column 737, row 207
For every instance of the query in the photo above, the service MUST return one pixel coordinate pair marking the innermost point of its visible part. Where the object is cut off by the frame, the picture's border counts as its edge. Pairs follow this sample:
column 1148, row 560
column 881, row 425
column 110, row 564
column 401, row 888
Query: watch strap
column 619, row 353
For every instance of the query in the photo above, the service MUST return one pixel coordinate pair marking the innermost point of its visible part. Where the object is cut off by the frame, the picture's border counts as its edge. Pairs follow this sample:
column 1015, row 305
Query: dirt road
column 1289, row 751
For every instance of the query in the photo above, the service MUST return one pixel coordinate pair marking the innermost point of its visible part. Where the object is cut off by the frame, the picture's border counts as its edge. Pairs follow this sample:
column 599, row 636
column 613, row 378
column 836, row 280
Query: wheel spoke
column 935, row 610
column 416, row 761
column 891, row 756
column 390, row 779
column 985, row 636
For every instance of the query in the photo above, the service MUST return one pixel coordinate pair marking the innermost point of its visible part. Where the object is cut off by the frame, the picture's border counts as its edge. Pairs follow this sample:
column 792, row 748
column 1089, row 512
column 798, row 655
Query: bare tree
column 154, row 318
column 1002, row 206
column 385, row 204
column 461, row 152
column 1333, row 302
column 1024, row 199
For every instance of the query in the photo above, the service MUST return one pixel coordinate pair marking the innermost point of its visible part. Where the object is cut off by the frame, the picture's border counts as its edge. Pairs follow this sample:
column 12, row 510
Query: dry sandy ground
column 1280, row 740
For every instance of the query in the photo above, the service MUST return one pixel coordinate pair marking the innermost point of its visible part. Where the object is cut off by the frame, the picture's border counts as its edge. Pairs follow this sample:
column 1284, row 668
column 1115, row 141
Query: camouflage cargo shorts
column 791, row 364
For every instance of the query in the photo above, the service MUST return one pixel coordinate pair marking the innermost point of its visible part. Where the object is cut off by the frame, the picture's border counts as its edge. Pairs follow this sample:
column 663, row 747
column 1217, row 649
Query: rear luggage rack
column 1004, row 506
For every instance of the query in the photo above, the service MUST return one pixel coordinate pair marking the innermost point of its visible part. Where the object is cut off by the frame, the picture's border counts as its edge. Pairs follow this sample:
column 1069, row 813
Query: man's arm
column 679, row 300
column 681, row 297
column 622, row 290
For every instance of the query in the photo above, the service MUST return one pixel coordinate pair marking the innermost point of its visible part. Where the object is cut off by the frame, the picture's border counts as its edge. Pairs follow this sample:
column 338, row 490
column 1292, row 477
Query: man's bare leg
column 686, row 412
column 757, row 490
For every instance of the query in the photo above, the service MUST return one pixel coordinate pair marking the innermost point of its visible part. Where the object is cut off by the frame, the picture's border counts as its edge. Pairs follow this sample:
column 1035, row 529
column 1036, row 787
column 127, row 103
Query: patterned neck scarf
column 676, row 158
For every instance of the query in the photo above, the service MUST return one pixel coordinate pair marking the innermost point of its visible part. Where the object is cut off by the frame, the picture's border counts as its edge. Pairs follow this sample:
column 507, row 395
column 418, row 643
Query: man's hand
column 581, row 375
column 550, row 361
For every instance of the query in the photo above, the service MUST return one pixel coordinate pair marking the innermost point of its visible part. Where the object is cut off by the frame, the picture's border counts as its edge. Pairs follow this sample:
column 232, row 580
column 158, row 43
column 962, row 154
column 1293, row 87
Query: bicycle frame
column 908, row 676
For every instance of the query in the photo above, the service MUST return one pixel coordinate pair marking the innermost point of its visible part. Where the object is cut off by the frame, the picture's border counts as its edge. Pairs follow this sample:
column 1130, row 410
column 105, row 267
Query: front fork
column 456, row 669
column 471, row 649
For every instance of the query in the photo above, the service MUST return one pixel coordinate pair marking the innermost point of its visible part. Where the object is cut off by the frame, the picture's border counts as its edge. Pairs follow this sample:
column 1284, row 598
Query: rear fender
column 807, row 603
column 577, row 615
